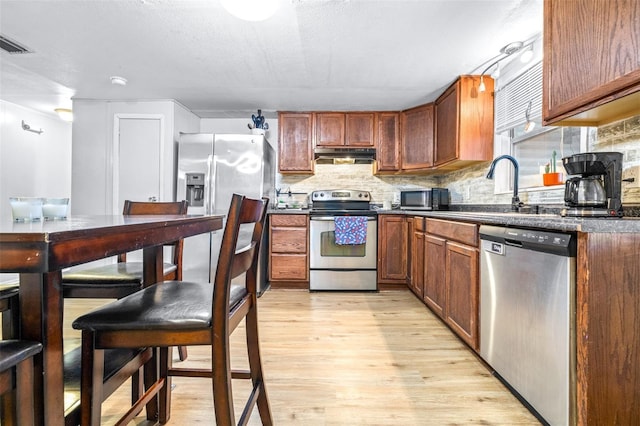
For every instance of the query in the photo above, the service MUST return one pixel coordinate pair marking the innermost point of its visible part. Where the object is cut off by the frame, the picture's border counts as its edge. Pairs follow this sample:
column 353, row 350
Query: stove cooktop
column 341, row 202
column 340, row 195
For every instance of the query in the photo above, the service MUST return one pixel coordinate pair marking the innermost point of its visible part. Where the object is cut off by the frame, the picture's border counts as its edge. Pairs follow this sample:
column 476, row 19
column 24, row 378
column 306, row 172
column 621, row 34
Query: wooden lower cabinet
column 392, row 249
column 445, row 268
column 288, row 250
column 435, row 273
column 607, row 329
column 462, row 294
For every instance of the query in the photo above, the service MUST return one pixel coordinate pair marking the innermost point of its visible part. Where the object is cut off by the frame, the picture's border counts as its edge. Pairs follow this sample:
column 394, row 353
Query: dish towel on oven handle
column 350, row 230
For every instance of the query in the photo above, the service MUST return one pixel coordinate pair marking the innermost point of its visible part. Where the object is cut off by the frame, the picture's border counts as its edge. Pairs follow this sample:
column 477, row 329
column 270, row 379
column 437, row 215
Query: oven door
column 341, row 267
column 326, row 254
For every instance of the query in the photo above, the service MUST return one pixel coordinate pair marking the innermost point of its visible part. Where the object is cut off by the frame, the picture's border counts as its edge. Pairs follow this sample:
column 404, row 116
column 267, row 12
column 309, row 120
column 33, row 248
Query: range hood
column 344, row 155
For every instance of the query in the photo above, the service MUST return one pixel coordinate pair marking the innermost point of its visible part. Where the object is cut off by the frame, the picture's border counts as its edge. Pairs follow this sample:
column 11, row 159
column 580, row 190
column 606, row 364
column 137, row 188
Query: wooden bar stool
column 16, row 372
column 186, row 313
column 120, row 279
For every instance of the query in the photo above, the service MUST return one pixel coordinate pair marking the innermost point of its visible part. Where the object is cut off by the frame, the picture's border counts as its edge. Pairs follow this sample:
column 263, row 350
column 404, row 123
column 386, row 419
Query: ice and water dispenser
column 195, row 189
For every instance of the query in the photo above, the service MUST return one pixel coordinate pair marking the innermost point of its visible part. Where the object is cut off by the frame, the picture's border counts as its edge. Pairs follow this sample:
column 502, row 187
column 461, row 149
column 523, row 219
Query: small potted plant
column 550, row 176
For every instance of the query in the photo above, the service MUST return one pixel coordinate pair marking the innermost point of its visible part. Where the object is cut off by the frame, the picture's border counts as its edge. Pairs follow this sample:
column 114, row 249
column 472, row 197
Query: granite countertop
column 550, row 221
column 549, row 218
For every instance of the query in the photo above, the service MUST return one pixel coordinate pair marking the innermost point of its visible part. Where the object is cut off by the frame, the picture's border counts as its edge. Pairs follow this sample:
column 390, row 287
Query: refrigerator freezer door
column 194, row 150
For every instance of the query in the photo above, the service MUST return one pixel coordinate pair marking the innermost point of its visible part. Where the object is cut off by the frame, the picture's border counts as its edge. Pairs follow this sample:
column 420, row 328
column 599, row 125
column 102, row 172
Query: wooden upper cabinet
column 360, row 129
column 464, row 124
column 388, row 142
column 417, row 138
column 295, row 147
column 330, row 129
column 591, row 64
column 351, row 129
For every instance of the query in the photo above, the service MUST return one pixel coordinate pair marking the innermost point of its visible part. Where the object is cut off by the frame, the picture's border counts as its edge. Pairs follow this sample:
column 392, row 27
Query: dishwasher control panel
column 540, row 237
column 533, row 239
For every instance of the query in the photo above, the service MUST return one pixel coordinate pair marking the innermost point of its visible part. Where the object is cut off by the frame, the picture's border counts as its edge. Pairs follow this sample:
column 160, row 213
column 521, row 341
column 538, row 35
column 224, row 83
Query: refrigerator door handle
column 209, row 184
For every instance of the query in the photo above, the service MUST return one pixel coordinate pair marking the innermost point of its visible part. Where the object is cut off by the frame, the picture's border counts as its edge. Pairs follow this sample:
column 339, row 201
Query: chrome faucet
column 516, row 204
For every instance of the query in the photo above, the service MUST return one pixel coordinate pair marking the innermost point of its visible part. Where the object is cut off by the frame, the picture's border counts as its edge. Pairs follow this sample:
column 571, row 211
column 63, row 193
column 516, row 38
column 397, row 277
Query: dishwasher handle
column 513, row 243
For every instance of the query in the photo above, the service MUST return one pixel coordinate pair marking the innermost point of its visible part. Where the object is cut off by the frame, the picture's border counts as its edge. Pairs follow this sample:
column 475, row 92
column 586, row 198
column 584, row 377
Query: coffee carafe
column 585, row 192
column 597, row 191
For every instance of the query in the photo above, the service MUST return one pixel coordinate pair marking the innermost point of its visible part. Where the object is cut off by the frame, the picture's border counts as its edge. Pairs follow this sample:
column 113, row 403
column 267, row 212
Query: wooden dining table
column 39, row 251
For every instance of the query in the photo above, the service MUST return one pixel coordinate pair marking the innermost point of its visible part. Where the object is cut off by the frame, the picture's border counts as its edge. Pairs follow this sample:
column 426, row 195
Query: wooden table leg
column 41, row 310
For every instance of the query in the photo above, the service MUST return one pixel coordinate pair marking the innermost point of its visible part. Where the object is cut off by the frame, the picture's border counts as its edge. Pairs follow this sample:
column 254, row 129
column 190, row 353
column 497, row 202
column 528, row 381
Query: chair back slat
column 158, row 208
column 154, row 207
column 242, row 260
column 232, row 261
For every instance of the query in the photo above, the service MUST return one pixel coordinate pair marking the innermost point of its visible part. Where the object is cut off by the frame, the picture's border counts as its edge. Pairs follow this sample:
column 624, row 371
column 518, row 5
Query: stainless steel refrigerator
column 211, row 168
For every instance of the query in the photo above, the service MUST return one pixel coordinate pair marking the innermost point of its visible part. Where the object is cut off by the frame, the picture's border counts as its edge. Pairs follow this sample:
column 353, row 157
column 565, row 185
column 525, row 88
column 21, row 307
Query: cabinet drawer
column 288, row 240
column 466, row 233
column 418, row 224
column 288, row 268
column 288, row 220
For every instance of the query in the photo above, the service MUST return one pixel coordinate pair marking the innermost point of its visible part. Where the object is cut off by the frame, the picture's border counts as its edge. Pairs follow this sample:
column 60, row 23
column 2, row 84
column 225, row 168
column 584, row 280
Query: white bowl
column 26, row 209
column 55, row 208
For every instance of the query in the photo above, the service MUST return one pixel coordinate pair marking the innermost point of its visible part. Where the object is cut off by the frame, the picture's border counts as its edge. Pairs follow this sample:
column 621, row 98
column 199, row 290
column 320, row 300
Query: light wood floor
column 348, row 359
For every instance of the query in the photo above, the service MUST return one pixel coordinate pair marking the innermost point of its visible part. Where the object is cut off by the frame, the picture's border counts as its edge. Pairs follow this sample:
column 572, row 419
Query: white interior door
column 138, row 159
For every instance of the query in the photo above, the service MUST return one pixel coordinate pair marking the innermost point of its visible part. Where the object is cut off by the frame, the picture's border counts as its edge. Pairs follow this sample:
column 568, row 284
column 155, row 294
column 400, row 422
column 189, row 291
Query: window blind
column 512, row 100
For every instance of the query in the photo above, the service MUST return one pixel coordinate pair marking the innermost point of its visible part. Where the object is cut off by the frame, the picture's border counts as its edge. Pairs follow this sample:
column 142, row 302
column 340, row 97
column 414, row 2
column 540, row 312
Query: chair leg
column 150, row 377
column 255, row 365
column 137, row 385
column 92, row 374
column 11, row 320
column 165, row 360
column 221, row 374
column 182, row 352
column 8, row 407
column 24, row 392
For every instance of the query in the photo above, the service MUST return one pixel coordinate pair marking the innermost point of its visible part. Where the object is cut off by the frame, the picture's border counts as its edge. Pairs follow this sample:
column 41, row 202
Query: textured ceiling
column 312, row 55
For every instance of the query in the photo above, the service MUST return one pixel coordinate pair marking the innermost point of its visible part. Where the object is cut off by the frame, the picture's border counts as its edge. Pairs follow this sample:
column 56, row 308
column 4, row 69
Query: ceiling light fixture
column 64, row 113
column 251, row 10
column 505, row 52
column 119, row 81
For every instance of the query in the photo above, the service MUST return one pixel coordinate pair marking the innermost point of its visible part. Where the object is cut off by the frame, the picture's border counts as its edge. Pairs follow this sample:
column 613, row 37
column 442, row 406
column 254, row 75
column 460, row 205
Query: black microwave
column 425, row 199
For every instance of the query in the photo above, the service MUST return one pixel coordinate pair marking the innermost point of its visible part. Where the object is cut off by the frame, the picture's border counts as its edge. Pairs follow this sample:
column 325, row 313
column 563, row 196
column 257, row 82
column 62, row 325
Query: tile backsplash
column 469, row 185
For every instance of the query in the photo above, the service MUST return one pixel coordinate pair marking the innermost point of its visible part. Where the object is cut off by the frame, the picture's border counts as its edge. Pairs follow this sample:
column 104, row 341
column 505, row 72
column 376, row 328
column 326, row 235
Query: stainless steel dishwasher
column 527, row 316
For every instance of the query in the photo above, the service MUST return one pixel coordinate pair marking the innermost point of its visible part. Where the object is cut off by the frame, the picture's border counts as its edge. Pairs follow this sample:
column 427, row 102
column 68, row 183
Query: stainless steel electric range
column 343, row 254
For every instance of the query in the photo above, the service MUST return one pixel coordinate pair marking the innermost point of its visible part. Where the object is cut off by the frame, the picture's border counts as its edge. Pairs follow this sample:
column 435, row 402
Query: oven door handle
column 331, row 218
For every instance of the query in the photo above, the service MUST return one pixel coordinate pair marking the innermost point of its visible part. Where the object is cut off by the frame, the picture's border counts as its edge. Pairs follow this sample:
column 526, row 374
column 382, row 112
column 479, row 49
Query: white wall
column 31, row 164
column 93, row 129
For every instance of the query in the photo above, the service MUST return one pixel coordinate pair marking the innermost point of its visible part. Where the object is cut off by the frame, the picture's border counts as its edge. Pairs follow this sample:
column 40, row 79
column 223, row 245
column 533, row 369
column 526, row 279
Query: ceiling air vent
column 11, row 46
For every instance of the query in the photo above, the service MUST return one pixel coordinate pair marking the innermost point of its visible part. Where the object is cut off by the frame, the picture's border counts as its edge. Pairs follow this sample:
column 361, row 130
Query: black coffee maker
column 597, row 192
